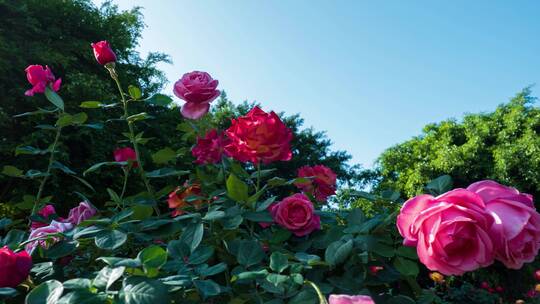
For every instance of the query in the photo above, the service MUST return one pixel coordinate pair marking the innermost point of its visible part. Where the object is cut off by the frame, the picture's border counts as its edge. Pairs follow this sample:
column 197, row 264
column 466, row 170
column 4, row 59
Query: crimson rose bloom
column 259, row 137
column 40, row 77
column 14, row 267
column 516, row 227
column 296, row 213
column 209, row 149
column 198, row 89
column 126, row 154
column 450, row 231
column 323, row 183
column 103, row 52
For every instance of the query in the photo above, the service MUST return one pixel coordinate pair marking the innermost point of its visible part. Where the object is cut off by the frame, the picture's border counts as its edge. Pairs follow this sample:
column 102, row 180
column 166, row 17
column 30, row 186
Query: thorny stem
column 48, row 172
column 114, row 76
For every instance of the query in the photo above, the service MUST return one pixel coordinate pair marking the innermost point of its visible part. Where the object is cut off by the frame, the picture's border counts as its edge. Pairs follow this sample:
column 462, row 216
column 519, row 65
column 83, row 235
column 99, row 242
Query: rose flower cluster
column 465, row 229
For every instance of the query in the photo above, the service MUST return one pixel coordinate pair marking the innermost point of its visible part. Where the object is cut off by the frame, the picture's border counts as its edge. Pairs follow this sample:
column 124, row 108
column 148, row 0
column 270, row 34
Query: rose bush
column 224, row 233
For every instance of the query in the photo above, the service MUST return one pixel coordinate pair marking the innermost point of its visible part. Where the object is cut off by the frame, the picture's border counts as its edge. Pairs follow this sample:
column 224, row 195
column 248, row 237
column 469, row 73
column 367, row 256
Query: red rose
column 125, row 155
column 296, row 213
column 103, row 52
column 323, row 183
column 14, row 267
column 198, row 89
column 209, row 149
column 40, row 77
column 259, row 137
column 177, row 198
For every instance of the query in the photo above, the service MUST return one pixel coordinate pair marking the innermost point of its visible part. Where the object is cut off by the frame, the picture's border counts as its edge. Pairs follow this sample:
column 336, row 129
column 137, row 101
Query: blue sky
column 370, row 73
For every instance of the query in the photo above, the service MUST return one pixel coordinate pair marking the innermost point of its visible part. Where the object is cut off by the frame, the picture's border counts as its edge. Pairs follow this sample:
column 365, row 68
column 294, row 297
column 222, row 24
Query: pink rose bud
column 516, row 228
column 484, row 285
column 14, row 267
column 81, row 213
column 374, row 269
column 537, row 275
column 40, row 78
column 126, row 154
column 531, row 293
column 346, row 299
column 103, row 52
column 198, row 89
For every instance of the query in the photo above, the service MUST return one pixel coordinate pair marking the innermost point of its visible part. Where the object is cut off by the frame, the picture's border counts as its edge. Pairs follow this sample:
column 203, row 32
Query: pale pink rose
column 81, row 213
column 54, row 228
column 346, row 299
column 198, row 89
column 516, row 227
column 450, row 231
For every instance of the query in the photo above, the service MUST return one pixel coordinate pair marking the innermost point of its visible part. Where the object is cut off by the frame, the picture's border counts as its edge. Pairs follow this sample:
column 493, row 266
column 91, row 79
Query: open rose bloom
column 209, row 149
column 14, row 267
column 516, row 223
column 40, row 78
column 323, row 183
column 198, row 90
column 450, row 232
column 296, row 214
column 347, row 299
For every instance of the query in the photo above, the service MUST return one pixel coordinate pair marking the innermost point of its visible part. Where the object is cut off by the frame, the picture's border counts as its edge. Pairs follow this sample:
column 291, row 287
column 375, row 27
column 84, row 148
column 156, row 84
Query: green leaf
column 7, row 292
column 134, row 92
column 152, row 258
column 30, row 150
column 400, row 300
column 178, row 249
column 118, row 262
column 164, row 156
column 62, row 167
column 78, row 283
column 83, row 297
column 12, row 171
column 91, row 104
column 407, row 252
column 263, row 216
column 107, row 276
column 278, row 262
column 250, row 253
column 45, row 293
column 37, row 112
column 338, row 252
column 87, row 232
column 206, row 271
column 214, row 215
column 64, row 120
column 54, row 98
column 440, row 185
column 201, row 255
column 138, row 116
column 264, row 205
column 237, row 189
column 207, row 288
column 110, row 239
column 61, row 249
column 192, row 235
column 140, row 290
column 165, row 172
column 276, row 279
column 355, row 217
column 99, row 165
column 406, row 267
column 383, row 250
column 159, row 100
column 79, row 118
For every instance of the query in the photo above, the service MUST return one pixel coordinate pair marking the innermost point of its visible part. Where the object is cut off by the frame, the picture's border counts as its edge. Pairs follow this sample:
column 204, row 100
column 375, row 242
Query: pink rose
column 346, row 299
column 450, row 231
column 198, row 89
column 103, row 52
column 516, row 226
column 209, row 149
column 81, row 213
column 125, row 155
column 296, row 213
column 44, row 232
column 45, row 212
column 323, row 183
column 40, row 78
column 14, row 267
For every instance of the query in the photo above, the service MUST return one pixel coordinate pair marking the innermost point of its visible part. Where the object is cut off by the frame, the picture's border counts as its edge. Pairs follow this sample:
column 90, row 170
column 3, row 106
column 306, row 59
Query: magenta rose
column 209, row 149
column 81, row 213
column 346, row 299
column 198, row 89
column 450, row 232
column 126, row 154
column 14, row 267
column 44, row 234
column 103, row 52
column 516, row 227
column 45, row 212
column 323, row 183
column 296, row 213
column 41, row 77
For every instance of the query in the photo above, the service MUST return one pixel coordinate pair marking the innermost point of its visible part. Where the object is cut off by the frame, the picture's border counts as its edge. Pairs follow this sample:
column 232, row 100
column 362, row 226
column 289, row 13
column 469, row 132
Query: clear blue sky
column 370, row 73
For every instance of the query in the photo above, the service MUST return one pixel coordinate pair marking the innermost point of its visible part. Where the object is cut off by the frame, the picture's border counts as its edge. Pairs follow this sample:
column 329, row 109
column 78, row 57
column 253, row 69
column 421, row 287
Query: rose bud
column 374, row 269
column 484, row 285
column 537, row 275
column 103, row 52
column 125, row 155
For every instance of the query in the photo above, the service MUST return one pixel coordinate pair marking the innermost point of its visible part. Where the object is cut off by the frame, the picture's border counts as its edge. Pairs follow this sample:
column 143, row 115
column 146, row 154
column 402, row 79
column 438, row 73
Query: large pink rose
column 209, row 149
column 44, row 232
column 516, row 226
column 450, row 231
column 41, row 77
column 346, row 299
column 198, row 89
column 14, row 267
column 323, row 183
column 296, row 213
column 81, row 213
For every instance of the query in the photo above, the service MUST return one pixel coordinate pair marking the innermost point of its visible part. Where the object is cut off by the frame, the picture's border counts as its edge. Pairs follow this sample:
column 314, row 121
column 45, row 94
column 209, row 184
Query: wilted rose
column 259, row 137
column 179, row 199
column 198, row 89
column 41, row 77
